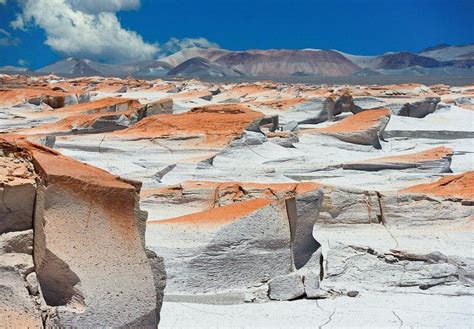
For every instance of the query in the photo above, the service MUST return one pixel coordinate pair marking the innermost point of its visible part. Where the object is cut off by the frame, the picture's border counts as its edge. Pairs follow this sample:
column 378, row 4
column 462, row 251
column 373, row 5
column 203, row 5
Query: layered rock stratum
column 294, row 203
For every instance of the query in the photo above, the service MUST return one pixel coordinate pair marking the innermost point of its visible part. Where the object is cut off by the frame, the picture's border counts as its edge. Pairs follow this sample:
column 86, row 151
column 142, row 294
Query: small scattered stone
column 32, row 284
column 352, row 293
column 390, row 259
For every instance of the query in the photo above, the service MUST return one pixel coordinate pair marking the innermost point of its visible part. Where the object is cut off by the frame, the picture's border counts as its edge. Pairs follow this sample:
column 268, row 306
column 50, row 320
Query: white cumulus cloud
column 97, row 6
column 91, row 29
column 73, row 32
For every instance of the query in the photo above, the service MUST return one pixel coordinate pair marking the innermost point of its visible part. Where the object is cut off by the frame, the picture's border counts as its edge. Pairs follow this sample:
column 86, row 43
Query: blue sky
column 127, row 30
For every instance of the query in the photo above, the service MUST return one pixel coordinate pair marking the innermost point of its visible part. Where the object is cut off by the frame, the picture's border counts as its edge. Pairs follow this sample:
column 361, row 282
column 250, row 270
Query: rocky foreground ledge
column 72, row 245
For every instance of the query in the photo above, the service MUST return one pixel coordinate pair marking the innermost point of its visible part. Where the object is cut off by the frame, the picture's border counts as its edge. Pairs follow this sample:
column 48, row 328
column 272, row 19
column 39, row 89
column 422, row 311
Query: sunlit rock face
column 266, row 230
column 65, row 225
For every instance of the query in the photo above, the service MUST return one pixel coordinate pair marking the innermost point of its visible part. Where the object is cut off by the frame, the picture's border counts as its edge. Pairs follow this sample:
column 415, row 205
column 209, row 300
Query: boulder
column 270, row 123
column 420, row 109
column 291, row 126
column 334, row 105
column 17, row 307
column 283, row 138
column 108, row 104
column 345, row 103
column 162, row 106
column 259, row 230
column 286, row 287
column 362, row 128
column 32, row 284
column 249, row 138
column 85, row 220
column 36, row 95
column 17, row 242
column 310, row 111
column 22, row 263
column 47, row 140
column 309, row 199
column 54, row 101
column 238, row 245
column 312, row 274
column 328, row 106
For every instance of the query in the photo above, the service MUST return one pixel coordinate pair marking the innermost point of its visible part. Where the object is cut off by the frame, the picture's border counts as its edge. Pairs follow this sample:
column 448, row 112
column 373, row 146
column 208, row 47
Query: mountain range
column 213, row 62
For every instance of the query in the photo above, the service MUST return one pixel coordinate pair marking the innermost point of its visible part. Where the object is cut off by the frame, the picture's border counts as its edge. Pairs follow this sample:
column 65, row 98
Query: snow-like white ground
column 364, row 311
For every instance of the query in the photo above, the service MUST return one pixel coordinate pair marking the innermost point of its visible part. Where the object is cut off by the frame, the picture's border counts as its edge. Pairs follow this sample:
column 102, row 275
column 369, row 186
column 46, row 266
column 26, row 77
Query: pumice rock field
column 191, row 204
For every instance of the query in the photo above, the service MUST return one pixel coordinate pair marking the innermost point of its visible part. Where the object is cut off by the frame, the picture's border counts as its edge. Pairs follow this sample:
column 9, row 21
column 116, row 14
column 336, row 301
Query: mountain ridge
column 442, row 59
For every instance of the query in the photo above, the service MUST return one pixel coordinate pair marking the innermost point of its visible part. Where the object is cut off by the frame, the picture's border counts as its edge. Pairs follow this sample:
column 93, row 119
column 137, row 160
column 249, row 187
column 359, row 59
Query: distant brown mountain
column 201, row 67
column 213, row 62
column 288, row 63
column 272, row 62
column 404, row 60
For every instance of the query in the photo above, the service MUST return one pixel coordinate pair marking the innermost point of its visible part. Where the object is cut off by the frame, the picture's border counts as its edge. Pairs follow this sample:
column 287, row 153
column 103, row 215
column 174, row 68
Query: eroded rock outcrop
column 36, row 96
column 18, row 306
column 420, row 109
column 334, row 105
column 433, row 160
column 244, row 235
column 88, row 250
column 214, row 125
column 362, row 128
column 104, row 115
column 460, row 186
column 405, row 241
column 254, row 234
